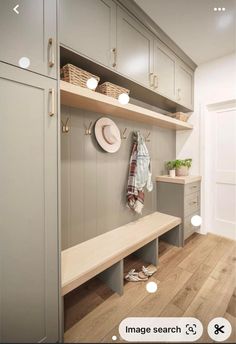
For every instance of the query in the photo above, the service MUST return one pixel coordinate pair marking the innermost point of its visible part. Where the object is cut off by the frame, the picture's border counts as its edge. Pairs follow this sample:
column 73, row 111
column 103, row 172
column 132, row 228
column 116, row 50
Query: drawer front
column 189, row 229
column 191, row 188
column 191, row 203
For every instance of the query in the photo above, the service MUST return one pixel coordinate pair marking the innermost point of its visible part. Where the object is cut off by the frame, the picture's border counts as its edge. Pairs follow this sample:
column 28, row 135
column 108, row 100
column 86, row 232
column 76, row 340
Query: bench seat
column 86, row 260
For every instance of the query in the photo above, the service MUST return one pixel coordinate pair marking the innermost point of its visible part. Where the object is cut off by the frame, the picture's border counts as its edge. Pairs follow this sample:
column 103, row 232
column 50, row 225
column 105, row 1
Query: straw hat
column 107, row 135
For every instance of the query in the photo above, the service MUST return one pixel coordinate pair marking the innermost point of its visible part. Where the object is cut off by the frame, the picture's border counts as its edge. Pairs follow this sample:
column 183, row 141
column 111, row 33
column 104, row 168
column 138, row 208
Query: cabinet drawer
column 191, row 188
column 191, row 203
column 189, row 229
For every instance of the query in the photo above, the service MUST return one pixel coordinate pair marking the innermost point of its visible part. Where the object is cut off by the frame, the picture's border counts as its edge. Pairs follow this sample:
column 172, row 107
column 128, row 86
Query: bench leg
column 174, row 236
column 114, row 277
column 149, row 252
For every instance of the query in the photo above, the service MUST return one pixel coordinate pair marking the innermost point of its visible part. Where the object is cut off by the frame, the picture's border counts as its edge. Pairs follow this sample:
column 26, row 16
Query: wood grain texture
column 206, row 292
column 106, row 315
column 215, row 294
column 86, row 99
column 231, row 309
column 152, row 305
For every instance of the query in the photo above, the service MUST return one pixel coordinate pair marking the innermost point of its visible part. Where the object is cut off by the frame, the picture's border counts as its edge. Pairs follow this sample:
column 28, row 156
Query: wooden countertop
column 178, row 180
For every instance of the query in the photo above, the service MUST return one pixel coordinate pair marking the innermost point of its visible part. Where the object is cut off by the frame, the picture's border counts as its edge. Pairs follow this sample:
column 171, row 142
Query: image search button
column 161, row 329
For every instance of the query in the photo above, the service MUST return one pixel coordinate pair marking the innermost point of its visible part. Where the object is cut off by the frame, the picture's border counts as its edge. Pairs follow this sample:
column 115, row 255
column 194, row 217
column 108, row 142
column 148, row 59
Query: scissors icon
column 218, row 329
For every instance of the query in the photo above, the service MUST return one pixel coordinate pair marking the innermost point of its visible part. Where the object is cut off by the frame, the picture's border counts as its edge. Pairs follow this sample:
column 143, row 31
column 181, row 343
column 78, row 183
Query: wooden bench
column 104, row 254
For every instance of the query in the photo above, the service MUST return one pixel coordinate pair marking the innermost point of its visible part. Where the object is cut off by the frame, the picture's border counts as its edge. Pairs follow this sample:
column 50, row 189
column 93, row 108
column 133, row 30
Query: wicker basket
column 112, row 90
column 76, row 76
column 181, row 116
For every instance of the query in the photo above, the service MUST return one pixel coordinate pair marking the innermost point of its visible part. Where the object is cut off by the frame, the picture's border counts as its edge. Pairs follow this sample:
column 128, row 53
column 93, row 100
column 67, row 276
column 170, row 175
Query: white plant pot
column 182, row 171
column 172, row 173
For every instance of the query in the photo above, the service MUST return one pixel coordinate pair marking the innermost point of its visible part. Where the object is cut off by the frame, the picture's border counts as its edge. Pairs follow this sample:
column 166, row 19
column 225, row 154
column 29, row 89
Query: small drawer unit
column 180, row 196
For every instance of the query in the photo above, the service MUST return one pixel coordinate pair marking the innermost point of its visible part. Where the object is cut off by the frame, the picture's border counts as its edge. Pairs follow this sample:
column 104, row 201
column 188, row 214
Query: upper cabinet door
column 164, row 70
column 134, row 49
column 89, row 28
column 28, row 38
column 184, row 85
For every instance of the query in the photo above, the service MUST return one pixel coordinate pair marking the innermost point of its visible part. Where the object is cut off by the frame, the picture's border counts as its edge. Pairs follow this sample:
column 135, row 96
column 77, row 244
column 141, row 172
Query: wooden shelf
column 84, row 98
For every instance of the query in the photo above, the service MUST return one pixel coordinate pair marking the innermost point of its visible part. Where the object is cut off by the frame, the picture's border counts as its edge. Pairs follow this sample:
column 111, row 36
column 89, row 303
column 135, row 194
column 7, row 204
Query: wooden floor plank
column 172, row 258
column 95, row 325
column 193, row 285
column 231, row 309
column 214, row 296
column 83, row 300
column 198, row 281
column 153, row 304
column 199, row 254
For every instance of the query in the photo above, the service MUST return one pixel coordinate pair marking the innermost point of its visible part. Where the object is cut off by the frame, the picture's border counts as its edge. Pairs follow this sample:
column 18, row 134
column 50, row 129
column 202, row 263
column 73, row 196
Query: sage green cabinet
column 30, row 34
column 182, row 200
column 164, row 70
column 29, row 257
column 184, row 85
column 89, row 28
column 104, row 32
column 134, row 49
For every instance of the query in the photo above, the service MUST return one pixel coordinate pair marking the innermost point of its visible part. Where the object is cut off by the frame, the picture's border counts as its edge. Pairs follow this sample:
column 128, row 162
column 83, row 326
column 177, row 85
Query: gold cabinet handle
column 178, row 94
column 114, row 51
column 52, row 93
column 151, row 79
column 155, row 81
column 51, row 57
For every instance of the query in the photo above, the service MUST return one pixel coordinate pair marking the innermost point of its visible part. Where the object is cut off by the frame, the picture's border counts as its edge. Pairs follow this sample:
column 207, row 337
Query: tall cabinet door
column 29, row 283
column 89, row 28
column 164, row 70
column 28, row 38
column 184, row 85
column 134, row 49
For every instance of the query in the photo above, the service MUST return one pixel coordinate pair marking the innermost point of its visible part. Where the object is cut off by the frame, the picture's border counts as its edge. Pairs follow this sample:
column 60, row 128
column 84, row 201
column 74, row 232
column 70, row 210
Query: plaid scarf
column 135, row 191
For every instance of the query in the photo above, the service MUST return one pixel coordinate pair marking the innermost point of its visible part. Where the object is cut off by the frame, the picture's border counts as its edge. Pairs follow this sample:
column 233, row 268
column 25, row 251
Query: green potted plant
column 182, row 167
column 179, row 167
column 171, row 168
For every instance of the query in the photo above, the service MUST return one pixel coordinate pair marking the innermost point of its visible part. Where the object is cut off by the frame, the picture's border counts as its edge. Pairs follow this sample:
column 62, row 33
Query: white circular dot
column 196, row 220
column 24, row 62
column 123, row 98
column 114, row 338
column 215, row 9
column 223, row 8
column 219, row 8
column 151, row 287
column 92, row 83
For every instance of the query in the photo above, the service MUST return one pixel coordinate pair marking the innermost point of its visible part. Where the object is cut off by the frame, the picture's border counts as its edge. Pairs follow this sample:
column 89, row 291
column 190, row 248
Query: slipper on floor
column 149, row 271
column 133, row 276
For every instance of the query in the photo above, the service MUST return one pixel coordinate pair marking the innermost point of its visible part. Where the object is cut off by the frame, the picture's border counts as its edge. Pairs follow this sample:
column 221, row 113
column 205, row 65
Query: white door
column 222, row 171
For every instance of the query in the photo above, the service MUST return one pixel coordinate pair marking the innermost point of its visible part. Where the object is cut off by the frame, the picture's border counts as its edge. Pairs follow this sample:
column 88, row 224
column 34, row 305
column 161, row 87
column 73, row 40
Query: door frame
column 205, row 165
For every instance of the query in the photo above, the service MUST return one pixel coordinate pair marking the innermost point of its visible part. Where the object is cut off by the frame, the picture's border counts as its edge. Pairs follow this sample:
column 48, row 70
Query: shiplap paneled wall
column 94, row 182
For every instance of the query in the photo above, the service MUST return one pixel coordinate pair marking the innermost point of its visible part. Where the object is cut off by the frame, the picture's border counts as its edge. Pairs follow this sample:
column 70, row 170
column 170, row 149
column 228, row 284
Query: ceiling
column 202, row 33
